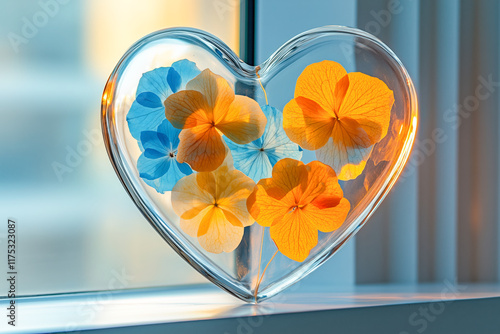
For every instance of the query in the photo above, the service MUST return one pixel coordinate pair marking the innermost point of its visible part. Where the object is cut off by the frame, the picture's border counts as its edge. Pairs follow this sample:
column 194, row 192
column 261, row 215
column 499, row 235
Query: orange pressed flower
column 296, row 202
column 212, row 206
column 205, row 111
column 339, row 114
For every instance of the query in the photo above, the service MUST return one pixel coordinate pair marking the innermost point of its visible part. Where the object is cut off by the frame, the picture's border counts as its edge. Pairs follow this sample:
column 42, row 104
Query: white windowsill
column 183, row 309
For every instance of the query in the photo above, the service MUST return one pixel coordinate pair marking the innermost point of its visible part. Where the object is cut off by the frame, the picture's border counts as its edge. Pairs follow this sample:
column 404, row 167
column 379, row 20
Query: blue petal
column 250, row 160
column 164, row 140
column 151, row 140
column 174, row 80
column 284, row 151
column 151, row 169
column 172, row 134
column 187, row 71
column 169, row 179
column 142, row 118
column 147, row 111
column 149, row 100
column 153, row 154
column 155, row 82
column 276, row 145
column 184, row 168
column 256, row 165
column 274, row 135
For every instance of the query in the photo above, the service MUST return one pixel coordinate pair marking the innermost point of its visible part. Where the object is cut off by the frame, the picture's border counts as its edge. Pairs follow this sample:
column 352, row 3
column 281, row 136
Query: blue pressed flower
column 256, row 159
column 157, row 165
column 148, row 111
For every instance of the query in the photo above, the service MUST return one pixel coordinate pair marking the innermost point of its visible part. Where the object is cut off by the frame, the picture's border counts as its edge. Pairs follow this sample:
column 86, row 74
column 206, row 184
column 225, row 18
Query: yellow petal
column 219, row 235
column 216, row 91
column 188, row 200
column 202, row 148
column 294, row 236
column 193, row 212
column 243, row 121
column 192, row 226
column 232, row 218
column 232, row 196
column 352, row 171
column 206, row 181
column 307, row 123
column 318, row 81
column 187, row 109
column 368, row 101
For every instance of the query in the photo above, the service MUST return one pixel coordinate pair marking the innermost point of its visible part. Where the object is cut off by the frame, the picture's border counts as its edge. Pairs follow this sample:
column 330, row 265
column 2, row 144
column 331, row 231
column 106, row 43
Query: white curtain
column 441, row 221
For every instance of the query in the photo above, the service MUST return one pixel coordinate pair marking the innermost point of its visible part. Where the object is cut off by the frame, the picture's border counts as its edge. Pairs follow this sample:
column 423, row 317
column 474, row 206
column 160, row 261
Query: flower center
column 297, row 206
column 261, row 149
column 171, row 154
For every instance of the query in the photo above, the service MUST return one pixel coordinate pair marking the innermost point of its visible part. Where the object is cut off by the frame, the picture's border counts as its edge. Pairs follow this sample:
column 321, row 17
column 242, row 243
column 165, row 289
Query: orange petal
column 216, row 91
column 202, row 148
column 266, row 209
column 329, row 219
column 368, row 101
column 187, row 109
column 294, row 235
column 318, row 81
column 307, row 123
column 324, row 201
column 353, row 134
column 217, row 234
column 321, row 182
column 243, row 121
column 290, row 176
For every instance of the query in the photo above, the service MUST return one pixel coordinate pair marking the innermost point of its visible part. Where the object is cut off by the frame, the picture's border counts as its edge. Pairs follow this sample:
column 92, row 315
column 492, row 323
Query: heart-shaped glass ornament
column 257, row 175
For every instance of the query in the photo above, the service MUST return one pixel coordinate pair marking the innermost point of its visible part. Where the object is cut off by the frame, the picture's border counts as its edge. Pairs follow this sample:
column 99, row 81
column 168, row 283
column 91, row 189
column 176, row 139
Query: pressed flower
column 147, row 111
column 297, row 202
column 339, row 114
column 212, row 206
column 157, row 164
column 205, row 111
column 256, row 159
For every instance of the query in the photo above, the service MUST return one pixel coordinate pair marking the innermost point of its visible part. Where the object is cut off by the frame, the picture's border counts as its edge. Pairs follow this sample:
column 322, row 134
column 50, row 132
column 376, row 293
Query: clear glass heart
column 152, row 128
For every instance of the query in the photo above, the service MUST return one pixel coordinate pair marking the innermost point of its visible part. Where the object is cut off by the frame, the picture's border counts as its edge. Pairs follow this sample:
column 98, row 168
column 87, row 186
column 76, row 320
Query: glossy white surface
column 149, row 306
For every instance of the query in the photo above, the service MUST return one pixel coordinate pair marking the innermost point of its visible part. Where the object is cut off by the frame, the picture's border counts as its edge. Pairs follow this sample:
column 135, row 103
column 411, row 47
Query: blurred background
column 77, row 228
